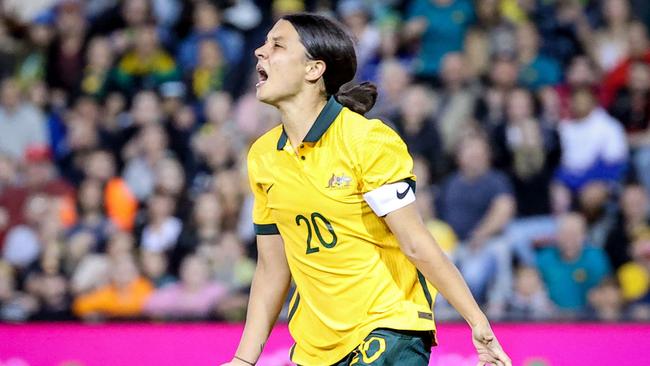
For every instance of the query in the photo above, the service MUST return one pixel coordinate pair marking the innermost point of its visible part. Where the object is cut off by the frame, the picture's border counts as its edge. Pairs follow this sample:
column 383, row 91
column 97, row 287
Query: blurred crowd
column 124, row 127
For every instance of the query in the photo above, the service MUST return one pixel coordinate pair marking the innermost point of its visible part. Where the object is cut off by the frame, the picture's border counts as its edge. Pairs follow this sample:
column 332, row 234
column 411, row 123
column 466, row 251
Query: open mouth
column 261, row 75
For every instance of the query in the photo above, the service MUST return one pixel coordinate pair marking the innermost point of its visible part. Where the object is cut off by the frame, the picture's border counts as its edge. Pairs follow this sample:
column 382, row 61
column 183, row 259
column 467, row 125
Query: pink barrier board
column 211, row 344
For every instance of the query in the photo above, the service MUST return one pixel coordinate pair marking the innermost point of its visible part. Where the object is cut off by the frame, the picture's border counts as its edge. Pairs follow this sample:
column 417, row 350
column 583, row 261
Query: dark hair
column 325, row 40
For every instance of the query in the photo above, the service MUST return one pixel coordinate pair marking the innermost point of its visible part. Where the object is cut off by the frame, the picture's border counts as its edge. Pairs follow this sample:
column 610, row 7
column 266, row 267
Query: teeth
column 262, row 75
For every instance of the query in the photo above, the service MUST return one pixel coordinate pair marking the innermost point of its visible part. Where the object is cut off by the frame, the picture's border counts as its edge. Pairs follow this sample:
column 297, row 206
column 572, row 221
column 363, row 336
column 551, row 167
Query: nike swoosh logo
column 401, row 195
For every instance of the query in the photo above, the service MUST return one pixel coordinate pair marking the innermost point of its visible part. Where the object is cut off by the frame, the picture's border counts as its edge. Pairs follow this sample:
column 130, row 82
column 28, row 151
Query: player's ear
column 314, row 70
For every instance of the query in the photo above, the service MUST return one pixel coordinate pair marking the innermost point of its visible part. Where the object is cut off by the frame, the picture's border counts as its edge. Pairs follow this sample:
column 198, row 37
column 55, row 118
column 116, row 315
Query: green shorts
column 385, row 347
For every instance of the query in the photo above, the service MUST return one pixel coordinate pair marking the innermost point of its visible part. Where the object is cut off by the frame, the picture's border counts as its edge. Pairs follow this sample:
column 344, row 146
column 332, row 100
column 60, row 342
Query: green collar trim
column 325, row 118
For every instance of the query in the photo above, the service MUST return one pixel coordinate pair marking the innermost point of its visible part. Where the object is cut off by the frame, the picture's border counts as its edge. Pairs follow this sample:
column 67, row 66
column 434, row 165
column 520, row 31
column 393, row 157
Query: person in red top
column 639, row 50
column 39, row 177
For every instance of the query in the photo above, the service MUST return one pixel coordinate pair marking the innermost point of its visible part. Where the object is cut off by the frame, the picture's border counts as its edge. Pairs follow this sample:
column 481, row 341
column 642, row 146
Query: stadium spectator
column 535, row 70
column 440, row 25
column 124, row 297
column 529, row 299
column 456, row 102
column 193, row 297
column 609, row 45
column 22, row 244
column 170, row 180
column 173, row 95
column 120, row 244
column 632, row 219
column 215, row 153
column 490, row 109
column 145, row 110
column 230, row 189
column 208, row 24
column 80, row 137
column 210, row 72
column 8, row 172
column 94, row 269
column 145, row 151
column 355, row 15
column 563, row 27
column 203, row 226
column 572, row 267
column 478, row 203
column 491, row 36
column 393, row 80
column 91, row 215
column 529, row 151
column 79, row 245
column 639, row 50
column 39, row 177
column 218, row 111
column 90, row 274
column 65, row 56
column 219, row 120
column 606, row 301
column 147, row 65
column 632, row 107
column 120, row 203
column 391, row 49
column 47, row 284
column 97, row 76
column 444, row 234
column 580, row 73
column 120, row 21
column 634, row 277
column 21, row 124
column 162, row 228
column 417, row 127
column 230, row 264
column 14, row 304
column 594, row 147
column 33, row 67
column 9, row 48
column 155, row 267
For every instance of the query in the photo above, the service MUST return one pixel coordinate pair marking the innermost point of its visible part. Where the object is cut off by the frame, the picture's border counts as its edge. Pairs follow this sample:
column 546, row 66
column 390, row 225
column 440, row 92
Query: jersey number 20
column 313, row 224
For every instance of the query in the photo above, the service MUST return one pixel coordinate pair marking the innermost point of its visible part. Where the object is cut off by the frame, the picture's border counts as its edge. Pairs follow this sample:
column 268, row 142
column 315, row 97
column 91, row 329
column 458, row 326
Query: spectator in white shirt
column 21, row 124
column 594, row 147
column 162, row 230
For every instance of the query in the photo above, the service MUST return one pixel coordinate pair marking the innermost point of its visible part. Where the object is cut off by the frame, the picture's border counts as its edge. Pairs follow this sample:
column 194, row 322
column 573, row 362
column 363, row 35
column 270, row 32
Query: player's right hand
column 488, row 348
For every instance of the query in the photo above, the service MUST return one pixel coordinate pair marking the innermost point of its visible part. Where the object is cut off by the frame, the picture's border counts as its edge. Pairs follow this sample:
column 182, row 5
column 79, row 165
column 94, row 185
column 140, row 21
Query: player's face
column 281, row 64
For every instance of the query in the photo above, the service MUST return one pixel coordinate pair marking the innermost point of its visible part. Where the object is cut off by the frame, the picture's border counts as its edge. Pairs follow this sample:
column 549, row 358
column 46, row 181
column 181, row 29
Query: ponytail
column 359, row 98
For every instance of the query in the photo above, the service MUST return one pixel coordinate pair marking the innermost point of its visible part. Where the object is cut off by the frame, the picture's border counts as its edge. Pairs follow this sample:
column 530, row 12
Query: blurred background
column 124, row 127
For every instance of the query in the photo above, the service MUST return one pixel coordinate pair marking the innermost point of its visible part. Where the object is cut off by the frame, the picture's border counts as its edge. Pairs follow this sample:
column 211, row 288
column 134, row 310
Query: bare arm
column 639, row 138
column 499, row 214
column 268, row 291
column 414, row 28
column 422, row 250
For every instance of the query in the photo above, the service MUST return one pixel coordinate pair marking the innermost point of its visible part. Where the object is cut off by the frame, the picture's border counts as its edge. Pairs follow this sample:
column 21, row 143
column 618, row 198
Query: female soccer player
column 334, row 210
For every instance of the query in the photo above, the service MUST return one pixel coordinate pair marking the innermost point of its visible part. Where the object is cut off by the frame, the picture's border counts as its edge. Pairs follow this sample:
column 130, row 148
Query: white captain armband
column 390, row 197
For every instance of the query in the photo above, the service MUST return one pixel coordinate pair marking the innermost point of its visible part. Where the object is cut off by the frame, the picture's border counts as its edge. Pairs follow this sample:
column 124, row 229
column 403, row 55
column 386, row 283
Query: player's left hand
column 488, row 347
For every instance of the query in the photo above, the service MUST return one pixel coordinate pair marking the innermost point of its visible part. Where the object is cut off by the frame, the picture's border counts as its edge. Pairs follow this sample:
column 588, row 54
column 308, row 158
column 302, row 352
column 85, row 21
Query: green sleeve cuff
column 267, row 229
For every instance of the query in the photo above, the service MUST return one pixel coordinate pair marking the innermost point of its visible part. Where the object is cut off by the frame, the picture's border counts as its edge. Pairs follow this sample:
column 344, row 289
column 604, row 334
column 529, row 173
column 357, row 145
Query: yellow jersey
column 351, row 276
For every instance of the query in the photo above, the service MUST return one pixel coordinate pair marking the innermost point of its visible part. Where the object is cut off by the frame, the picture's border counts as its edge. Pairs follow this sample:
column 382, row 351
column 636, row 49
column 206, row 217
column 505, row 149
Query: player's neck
column 299, row 114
